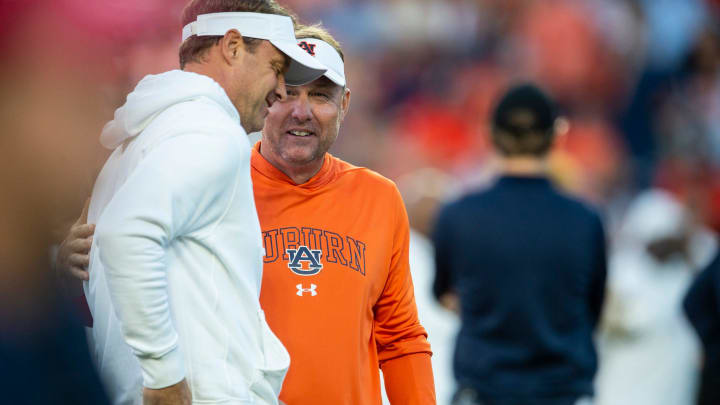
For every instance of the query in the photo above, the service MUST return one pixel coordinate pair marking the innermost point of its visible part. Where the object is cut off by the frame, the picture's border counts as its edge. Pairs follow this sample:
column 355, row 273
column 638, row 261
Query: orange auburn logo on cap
column 309, row 48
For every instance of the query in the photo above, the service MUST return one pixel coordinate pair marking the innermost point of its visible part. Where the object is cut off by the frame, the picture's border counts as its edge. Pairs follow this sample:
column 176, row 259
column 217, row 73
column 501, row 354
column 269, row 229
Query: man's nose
column 301, row 110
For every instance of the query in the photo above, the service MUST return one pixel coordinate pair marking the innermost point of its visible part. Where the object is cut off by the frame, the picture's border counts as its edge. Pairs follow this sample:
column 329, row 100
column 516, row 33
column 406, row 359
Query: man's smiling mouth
column 300, row 133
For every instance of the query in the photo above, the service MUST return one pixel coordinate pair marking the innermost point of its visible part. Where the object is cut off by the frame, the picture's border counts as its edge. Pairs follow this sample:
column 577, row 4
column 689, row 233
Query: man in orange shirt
column 336, row 282
column 336, row 286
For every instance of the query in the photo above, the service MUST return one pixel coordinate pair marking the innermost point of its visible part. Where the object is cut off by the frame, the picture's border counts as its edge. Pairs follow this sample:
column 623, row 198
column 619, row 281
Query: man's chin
column 298, row 157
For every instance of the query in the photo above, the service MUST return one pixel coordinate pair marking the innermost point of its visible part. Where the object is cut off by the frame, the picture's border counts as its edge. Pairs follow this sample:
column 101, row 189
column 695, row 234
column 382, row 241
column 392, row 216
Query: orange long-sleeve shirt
column 336, row 286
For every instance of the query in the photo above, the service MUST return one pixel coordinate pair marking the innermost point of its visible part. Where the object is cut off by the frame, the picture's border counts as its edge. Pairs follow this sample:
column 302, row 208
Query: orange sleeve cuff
column 409, row 380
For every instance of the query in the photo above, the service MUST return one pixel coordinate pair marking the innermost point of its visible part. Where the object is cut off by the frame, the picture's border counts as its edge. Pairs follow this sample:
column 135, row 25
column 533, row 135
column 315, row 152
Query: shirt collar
column 325, row 175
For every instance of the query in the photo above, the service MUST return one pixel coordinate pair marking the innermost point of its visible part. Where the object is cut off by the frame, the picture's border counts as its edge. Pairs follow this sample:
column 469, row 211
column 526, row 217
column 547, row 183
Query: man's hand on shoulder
column 178, row 394
column 73, row 256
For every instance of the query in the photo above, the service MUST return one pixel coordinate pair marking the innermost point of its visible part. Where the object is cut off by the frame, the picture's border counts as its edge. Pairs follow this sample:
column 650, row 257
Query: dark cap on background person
column 523, row 122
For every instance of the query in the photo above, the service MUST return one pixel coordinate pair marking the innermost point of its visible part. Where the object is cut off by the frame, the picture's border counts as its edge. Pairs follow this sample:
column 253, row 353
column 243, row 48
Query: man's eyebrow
column 282, row 64
column 325, row 85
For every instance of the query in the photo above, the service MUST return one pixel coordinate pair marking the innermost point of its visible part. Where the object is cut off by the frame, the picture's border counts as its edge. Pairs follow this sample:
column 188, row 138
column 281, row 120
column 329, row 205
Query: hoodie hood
column 156, row 93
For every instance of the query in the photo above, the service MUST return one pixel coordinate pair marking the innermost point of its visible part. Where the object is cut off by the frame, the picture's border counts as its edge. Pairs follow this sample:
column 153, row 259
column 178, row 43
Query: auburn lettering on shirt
column 336, row 285
column 286, row 243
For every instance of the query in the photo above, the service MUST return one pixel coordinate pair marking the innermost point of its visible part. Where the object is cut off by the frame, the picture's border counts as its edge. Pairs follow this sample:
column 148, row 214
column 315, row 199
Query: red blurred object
column 454, row 130
column 442, row 132
column 714, row 207
column 87, row 28
column 565, row 51
column 595, row 145
column 126, row 20
column 698, row 185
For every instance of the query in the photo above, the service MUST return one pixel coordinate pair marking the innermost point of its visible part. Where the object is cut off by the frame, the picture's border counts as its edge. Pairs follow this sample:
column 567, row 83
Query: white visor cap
column 277, row 29
column 328, row 56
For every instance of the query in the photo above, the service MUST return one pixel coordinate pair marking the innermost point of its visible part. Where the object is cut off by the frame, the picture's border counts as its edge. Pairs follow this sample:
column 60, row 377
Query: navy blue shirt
column 702, row 307
column 47, row 362
column 528, row 264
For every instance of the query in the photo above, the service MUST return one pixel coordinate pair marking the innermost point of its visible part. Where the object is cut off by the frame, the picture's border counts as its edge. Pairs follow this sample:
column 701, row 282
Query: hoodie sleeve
column 403, row 350
column 182, row 186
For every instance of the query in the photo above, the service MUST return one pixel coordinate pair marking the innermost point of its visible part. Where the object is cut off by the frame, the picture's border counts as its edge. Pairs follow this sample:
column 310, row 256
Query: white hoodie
column 176, row 262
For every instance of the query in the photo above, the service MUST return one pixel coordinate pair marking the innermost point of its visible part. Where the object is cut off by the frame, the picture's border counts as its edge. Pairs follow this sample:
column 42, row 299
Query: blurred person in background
column 334, row 287
column 424, row 191
column 176, row 258
column 688, row 122
column 528, row 266
column 689, row 119
column 648, row 352
column 702, row 308
column 55, row 80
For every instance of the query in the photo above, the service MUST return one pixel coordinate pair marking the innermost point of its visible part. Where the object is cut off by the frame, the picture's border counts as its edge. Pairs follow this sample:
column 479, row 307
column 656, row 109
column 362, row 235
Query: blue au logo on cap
column 309, row 48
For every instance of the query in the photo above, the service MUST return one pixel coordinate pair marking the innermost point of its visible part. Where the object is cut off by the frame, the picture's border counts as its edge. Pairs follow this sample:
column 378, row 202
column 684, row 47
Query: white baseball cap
column 328, row 56
column 277, row 29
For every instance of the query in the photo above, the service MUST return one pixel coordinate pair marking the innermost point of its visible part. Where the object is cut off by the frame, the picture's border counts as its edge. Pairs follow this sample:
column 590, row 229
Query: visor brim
column 303, row 67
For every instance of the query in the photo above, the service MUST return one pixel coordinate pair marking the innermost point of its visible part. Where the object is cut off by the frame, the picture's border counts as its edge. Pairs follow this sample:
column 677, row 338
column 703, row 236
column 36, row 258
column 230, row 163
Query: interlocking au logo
column 304, row 255
column 309, row 48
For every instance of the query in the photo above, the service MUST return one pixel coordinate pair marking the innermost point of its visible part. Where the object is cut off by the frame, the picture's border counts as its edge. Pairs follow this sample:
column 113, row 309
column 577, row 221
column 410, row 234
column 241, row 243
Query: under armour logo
column 304, row 254
column 309, row 48
column 311, row 290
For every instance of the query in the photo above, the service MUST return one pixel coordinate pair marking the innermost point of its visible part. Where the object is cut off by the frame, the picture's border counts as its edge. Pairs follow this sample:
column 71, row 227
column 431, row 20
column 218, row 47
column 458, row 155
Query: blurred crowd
column 638, row 82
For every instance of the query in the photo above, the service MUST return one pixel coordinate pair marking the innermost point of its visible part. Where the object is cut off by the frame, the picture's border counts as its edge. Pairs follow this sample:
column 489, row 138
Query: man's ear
column 345, row 104
column 231, row 47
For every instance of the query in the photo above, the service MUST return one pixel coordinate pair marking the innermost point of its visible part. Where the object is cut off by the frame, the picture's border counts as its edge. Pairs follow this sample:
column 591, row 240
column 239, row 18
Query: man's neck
column 205, row 69
column 216, row 74
column 300, row 173
column 212, row 71
column 524, row 166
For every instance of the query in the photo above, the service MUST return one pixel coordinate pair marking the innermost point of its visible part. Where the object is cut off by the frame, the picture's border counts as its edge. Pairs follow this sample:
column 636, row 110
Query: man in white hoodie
column 176, row 262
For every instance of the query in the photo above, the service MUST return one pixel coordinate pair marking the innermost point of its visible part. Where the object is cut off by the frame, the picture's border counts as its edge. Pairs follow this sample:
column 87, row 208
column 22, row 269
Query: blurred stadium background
column 637, row 80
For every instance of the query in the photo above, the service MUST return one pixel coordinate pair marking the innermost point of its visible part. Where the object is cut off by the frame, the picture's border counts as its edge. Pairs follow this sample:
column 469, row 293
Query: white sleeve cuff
column 164, row 371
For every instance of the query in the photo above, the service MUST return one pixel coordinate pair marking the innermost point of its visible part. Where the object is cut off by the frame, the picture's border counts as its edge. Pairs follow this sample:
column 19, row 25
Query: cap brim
column 303, row 67
column 335, row 78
